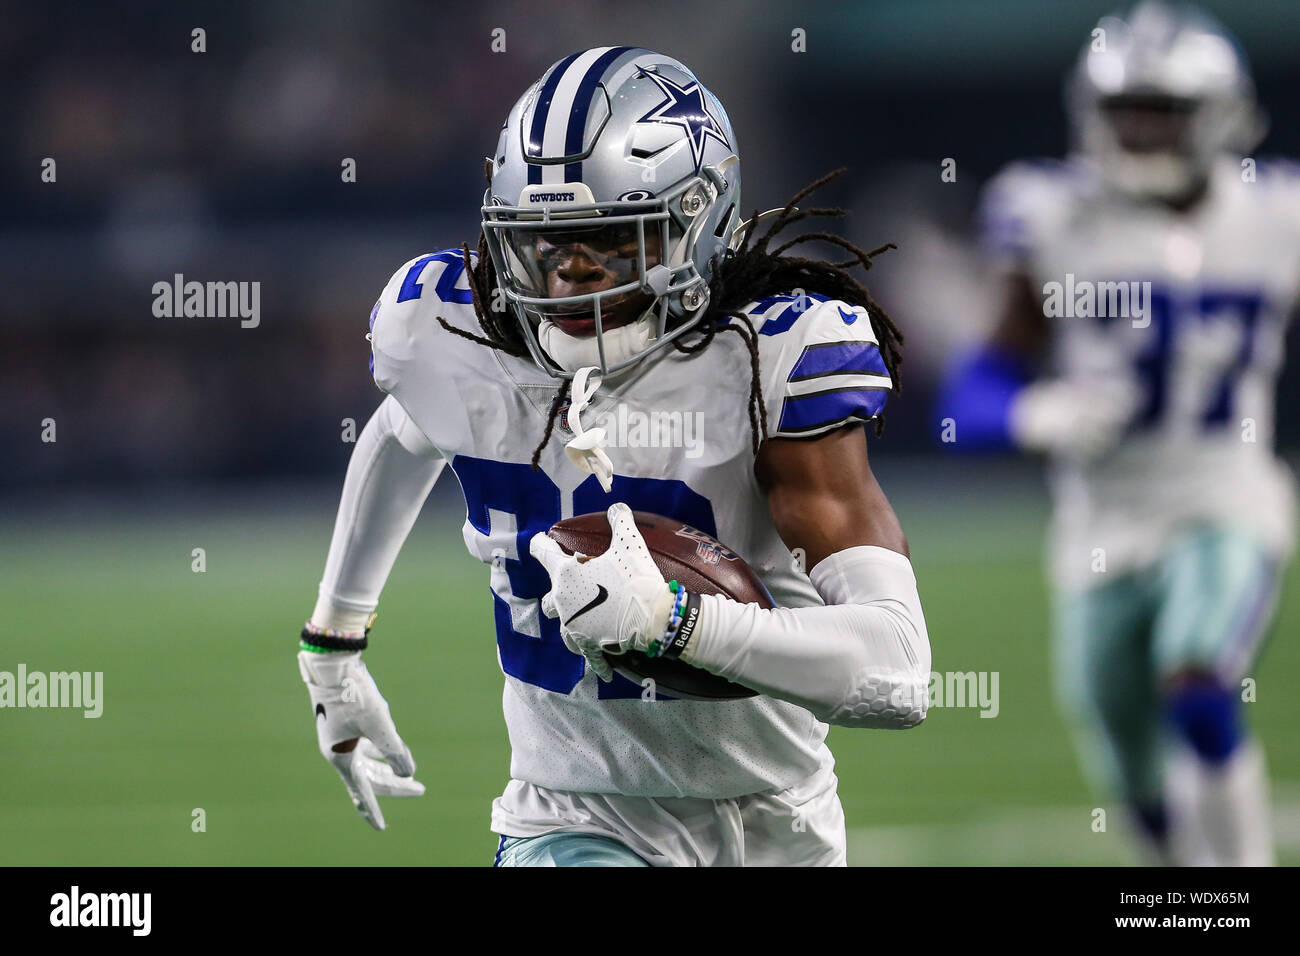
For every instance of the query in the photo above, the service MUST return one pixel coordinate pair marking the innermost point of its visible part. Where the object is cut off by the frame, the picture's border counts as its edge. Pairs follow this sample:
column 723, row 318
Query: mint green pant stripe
column 1106, row 682
column 1216, row 594
column 1206, row 606
column 565, row 849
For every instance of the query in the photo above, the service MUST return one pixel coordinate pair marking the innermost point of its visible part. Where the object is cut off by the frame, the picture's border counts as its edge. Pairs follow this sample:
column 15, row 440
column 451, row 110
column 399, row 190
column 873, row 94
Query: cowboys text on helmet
column 614, row 187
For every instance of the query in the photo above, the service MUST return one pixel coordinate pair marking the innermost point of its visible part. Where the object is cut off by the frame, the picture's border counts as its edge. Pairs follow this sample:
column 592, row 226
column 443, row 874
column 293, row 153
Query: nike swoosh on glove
column 615, row 602
column 349, row 709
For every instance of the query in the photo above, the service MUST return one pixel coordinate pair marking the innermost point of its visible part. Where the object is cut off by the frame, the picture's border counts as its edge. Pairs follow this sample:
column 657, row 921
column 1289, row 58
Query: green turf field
column 204, row 707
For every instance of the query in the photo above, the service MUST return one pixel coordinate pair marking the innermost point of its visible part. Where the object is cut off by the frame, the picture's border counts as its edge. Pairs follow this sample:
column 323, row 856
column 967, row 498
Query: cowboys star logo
column 684, row 106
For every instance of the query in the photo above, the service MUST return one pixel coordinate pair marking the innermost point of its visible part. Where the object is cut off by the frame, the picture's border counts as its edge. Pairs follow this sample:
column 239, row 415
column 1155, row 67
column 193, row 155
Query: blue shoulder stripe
column 808, row 413
column 838, row 358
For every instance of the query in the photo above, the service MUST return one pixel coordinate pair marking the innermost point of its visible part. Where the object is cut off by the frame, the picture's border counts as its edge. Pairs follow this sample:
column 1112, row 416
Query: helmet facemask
column 601, row 283
column 1147, row 143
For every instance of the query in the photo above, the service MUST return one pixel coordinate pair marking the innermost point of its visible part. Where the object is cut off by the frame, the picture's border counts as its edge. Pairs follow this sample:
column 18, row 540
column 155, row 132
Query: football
column 700, row 563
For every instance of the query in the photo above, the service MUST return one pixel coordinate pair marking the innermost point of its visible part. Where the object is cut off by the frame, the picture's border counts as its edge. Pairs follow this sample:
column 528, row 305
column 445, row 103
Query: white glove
column 352, row 714
column 1075, row 419
column 616, row 602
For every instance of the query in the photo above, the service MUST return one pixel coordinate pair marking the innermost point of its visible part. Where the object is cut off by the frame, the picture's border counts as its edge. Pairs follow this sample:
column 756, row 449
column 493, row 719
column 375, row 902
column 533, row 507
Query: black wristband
column 327, row 643
column 690, row 617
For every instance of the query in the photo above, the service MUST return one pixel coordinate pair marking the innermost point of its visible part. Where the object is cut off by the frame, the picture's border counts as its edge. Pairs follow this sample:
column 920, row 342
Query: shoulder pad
column 408, row 306
column 1279, row 183
column 820, row 362
column 1279, row 171
column 1019, row 206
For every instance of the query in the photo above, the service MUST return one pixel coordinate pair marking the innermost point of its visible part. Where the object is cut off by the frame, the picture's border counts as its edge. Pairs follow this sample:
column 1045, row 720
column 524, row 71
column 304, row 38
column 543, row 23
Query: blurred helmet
column 614, row 186
column 1157, row 95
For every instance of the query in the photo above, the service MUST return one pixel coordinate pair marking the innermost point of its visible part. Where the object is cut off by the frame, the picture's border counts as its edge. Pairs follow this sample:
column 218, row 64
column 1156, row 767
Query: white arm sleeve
column 861, row 661
column 391, row 472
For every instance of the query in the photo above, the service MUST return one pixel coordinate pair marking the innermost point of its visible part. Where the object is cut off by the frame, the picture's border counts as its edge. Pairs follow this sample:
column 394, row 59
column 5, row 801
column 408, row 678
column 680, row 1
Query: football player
column 614, row 269
column 1173, row 518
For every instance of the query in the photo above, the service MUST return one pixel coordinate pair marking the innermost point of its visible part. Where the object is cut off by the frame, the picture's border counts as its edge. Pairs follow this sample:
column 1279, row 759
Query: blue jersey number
column 445, row 289
column 1173, row 316
column 511, row 494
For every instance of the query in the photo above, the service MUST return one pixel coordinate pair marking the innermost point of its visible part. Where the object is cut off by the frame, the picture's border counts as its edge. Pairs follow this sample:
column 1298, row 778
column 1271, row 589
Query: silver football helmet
column 1157, row 95
column 614, row 185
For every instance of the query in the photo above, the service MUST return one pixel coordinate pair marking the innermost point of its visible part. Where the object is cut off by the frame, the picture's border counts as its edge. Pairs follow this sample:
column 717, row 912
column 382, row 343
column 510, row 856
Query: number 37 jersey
column 678, row 434
column 1188, row 313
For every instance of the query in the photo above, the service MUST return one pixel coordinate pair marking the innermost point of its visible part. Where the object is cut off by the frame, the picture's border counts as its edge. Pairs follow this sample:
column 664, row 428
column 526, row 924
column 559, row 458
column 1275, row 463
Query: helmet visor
column 564, row 260
column 1151, row 123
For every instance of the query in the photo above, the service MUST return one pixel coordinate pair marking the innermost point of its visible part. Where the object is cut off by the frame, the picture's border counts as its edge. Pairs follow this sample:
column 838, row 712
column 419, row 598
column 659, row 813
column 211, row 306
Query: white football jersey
column 1192, row 310
column 678, row 433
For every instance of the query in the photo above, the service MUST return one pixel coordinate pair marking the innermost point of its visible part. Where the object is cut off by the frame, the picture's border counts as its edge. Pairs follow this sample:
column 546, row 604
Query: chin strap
column 572, row 352
column 587, row 448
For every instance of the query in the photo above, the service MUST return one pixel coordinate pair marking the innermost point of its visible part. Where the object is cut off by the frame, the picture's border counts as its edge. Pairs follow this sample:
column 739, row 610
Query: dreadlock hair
column 751, row 272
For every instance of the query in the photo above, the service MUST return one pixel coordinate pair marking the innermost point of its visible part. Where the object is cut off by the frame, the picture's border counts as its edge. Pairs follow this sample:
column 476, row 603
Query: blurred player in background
column 1146, row 283
column 615, row 269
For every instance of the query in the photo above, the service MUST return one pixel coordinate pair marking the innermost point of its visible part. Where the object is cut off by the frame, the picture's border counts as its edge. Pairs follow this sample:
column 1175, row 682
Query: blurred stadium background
column 175, row 434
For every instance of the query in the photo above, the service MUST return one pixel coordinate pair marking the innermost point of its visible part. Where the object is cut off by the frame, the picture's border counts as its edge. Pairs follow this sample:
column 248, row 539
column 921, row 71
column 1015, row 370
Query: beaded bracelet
column 674, row 620
column 330, row 641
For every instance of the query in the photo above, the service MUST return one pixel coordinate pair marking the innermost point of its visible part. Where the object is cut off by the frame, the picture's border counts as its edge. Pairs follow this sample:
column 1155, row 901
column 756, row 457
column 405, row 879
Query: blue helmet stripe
column 581, row 108
column 533, row 148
